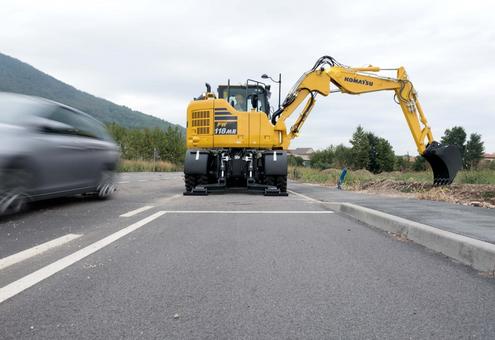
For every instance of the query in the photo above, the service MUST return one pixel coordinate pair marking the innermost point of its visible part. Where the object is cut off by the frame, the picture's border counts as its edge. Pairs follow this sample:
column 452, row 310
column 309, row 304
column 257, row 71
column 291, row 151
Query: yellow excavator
column 234, row 140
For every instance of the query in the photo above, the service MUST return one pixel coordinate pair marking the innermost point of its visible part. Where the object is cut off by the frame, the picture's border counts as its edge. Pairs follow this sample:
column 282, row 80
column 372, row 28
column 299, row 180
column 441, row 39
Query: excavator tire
column 190, row 181
column 282, row 183
column 270, row 180
column 202, row 180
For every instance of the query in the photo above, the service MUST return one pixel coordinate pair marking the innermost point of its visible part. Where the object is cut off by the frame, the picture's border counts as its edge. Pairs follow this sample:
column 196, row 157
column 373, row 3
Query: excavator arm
column 445, row 160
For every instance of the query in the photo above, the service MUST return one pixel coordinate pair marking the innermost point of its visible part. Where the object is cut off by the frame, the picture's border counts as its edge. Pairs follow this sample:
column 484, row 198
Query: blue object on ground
column 342, row 178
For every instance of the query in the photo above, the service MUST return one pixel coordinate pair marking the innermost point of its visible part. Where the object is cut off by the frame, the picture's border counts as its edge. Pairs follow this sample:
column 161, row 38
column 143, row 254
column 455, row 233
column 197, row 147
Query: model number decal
column 226, row 128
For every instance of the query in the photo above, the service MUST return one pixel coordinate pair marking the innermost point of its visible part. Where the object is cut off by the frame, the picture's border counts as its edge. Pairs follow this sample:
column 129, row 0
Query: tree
column 402, row 163
column 456, row 136
column 385, row 155
column 322, row 159
column 140, row 144
column 471, row 152
column 474, row 151
column 360, row 148
column 419, row 164
column 373, row 163
column 295, row 160
column 381, row 154
column 343, row 156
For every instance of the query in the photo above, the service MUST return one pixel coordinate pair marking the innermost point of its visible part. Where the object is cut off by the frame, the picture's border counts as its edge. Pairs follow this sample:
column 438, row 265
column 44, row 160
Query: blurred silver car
column 50, row 150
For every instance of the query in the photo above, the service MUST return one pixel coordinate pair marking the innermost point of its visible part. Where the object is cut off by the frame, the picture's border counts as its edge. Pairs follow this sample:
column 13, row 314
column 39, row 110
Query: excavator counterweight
column 234, row 140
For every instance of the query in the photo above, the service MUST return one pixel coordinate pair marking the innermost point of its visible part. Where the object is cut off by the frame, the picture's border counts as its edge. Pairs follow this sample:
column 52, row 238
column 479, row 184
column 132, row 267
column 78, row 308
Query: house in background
column 489, row 157
column 304, row 153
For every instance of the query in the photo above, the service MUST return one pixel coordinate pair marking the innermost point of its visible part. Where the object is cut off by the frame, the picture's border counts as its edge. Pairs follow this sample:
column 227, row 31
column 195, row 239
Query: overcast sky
column 154, row 56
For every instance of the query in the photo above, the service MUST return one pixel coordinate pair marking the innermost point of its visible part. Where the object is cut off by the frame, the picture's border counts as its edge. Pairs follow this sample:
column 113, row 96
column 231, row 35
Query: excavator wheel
column 282, row 183
column 270, row 180
column 445, row 161
column 202, row 180
column 190, row 181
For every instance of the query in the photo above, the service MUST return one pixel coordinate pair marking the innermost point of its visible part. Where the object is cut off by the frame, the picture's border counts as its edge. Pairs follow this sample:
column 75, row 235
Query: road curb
column 475, row 253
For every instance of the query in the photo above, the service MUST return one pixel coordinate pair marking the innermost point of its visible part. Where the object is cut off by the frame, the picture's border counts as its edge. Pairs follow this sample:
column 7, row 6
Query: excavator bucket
column 445, row 161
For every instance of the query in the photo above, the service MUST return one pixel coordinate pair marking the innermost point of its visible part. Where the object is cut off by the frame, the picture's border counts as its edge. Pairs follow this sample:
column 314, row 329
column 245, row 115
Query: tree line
column 367, row 151
column 375, row 154
column 148, row 144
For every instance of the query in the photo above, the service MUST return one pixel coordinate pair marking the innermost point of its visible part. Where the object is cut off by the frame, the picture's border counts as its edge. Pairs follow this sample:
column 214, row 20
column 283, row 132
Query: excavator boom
column 445, row 160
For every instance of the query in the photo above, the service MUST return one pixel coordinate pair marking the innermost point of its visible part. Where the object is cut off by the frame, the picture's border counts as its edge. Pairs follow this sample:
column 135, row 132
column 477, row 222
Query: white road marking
column 249, row 212
column 171, row 198
column 123, row 182
column 305, row 197
column 30, row 280
column 142, row 180
column 37, row 250
column 137, row 211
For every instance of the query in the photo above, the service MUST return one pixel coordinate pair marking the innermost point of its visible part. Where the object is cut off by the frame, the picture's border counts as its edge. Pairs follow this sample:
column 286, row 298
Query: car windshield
column 15, row 108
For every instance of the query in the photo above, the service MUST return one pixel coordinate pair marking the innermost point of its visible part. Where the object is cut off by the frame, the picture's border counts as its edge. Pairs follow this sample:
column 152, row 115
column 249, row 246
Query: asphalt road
column 226, row 267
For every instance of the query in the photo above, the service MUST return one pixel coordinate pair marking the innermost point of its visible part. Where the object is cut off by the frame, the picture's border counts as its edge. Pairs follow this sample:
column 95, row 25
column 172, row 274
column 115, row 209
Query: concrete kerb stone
column 475, row 253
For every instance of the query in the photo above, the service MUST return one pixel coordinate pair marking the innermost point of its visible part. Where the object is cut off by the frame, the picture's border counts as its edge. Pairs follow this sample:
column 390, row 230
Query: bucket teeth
column 445, row 161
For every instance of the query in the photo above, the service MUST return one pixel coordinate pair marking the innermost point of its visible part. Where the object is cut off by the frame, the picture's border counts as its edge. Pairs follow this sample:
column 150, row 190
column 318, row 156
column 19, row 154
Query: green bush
column 141, row 144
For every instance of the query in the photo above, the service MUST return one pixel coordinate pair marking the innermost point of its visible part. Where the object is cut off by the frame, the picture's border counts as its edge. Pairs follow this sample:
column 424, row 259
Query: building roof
column 489, row 156
column 301, row 151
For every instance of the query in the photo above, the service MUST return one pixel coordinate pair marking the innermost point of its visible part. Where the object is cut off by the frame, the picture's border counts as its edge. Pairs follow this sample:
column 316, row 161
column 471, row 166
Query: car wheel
column 106, row 186
column 13, row 191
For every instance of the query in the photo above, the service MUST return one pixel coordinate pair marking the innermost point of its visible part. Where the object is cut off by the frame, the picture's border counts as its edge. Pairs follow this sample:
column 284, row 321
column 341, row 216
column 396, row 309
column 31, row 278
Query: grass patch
column 361, row 177
column 148, row 166
column 476, row 177
column 475, row 188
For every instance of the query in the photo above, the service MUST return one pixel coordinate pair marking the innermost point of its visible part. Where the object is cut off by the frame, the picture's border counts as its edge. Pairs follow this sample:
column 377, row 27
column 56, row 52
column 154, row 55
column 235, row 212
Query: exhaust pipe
column 445, row 161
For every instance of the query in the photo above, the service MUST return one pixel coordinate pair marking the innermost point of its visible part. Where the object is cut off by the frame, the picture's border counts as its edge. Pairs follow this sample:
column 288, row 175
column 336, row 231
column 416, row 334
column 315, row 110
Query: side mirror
column 254, row 101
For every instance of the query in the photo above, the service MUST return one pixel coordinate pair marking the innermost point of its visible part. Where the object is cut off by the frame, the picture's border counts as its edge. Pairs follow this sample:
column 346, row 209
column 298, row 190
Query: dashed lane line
column 137, row 211
column 30, row 280
column 36, row 250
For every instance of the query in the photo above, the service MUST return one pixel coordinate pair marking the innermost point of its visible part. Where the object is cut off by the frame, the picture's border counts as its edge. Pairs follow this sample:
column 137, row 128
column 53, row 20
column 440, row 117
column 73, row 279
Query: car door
column 63, row 163
column 93, row 138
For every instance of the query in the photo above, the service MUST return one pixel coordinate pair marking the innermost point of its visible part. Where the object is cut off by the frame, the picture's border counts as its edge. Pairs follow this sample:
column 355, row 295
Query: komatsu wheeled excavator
column 234, row 140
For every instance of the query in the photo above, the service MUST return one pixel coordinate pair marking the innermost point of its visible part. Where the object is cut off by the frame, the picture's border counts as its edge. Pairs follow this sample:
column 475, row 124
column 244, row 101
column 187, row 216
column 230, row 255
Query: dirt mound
column 393, row 185
column 479, row 195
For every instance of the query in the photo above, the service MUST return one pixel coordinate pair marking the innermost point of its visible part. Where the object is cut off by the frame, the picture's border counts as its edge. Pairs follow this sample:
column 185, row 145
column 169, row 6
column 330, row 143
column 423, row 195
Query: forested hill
column 17, row 76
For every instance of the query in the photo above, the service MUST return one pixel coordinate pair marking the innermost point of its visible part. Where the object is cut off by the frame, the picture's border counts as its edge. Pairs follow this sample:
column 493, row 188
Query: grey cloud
column 157, row 55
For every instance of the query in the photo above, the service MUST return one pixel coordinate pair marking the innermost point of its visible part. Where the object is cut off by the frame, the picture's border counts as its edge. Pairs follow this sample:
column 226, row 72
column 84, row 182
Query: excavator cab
column 445, row 161
column 245, row 98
